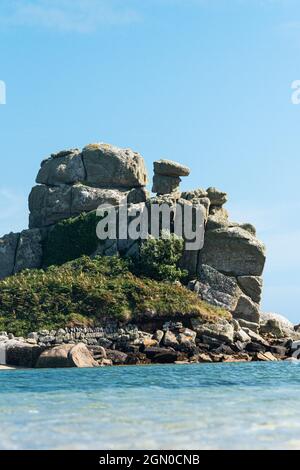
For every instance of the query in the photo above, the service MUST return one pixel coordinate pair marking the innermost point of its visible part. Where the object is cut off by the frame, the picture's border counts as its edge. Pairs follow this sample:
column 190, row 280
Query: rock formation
column 225, row 272
column 166, row 177
column 71, row 182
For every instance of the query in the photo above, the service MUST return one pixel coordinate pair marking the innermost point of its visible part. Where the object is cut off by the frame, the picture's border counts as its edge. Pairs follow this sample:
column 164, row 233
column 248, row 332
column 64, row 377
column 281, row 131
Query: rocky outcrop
column 72, row 181
column 226, row 271
column 20, row 251
column 166, row 179
column 192, row 340
column 8, row 248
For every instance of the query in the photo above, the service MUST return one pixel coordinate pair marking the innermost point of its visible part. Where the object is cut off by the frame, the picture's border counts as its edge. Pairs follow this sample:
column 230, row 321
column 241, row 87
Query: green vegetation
column 87, row 291
column 70, row 239
column 159, row 258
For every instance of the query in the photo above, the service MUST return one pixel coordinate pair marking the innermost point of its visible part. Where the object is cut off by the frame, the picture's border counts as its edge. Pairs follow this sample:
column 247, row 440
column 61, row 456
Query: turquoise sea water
column 201, row 406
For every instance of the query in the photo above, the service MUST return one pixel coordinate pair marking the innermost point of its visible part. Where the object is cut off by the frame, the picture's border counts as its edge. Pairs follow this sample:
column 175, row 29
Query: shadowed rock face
column 8, row 247
column 20, row 251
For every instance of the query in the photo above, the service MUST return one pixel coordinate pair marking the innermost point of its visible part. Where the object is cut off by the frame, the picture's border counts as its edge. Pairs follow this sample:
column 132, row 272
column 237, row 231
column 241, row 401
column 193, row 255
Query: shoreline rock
column 125, row 344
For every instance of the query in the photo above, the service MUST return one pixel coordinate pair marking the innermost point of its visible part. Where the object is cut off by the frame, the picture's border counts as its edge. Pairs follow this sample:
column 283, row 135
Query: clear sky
column 203, row 82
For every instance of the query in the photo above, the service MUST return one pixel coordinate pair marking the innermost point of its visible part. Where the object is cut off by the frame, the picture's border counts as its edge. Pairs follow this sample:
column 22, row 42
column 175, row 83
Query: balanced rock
column 112, row 167
column 166, row 179
column 170, row 168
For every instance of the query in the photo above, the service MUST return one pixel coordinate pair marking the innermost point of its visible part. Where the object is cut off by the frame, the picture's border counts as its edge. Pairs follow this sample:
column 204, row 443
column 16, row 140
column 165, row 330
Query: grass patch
column 89, row 291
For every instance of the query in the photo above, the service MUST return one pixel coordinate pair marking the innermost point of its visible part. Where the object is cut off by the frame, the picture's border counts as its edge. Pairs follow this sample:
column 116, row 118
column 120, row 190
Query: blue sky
column 203, row 82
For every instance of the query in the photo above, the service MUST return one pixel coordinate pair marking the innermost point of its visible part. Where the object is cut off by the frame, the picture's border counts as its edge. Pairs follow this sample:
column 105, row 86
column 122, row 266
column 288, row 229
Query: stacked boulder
column 73, row 181
column 166, row 179
column 70, row 183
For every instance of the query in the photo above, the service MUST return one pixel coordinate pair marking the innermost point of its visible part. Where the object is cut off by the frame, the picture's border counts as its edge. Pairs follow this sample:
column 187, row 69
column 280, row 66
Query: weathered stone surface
column 249, row 228
column 277, row 325
column 252, row 286
column 222, row 330
column 21, row 354
column 256, row 338
column 137, row 195
column 233, row 251
column 218, row 218
column 110, row 166
column 216, row 288
column 117, row 357
column 55, row 357
column 49, row 205
column 218, row 281
column 247, row 310
column 265, row 356
column 212, row 296
column 85, row 198
column 241, row 335
column 165, row 184
column 66, row 355
column 8, row 247
column 217, row 197
column 166, row 357
column 249, row 325
column 80, row 356
column 29, row 252
column 170, row 168
column 153, row 351
column 170, row 339
column 195, row 194
column 63, row 168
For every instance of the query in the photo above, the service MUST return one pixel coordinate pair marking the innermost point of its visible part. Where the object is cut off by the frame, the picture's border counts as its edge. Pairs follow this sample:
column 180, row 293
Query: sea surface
column 201, row 406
